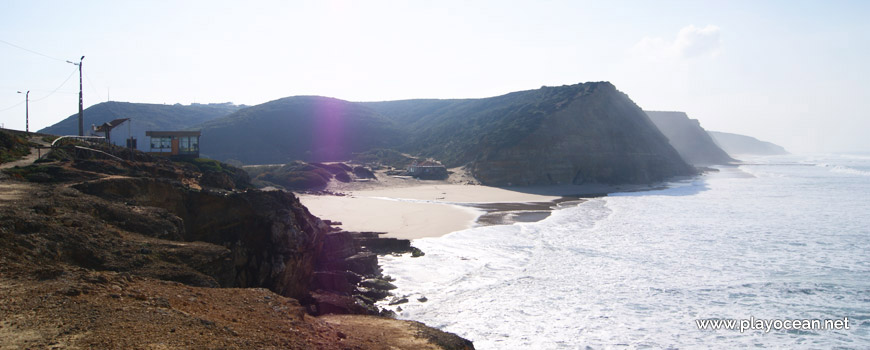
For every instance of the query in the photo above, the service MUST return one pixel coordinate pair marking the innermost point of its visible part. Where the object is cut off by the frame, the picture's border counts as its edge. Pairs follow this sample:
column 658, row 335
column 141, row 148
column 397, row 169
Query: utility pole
column 81, row 102
column 26, row 110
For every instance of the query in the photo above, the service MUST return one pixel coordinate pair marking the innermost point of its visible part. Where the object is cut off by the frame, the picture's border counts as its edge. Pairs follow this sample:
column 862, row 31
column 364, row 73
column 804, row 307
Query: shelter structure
column 106, row 128
column 174, row 143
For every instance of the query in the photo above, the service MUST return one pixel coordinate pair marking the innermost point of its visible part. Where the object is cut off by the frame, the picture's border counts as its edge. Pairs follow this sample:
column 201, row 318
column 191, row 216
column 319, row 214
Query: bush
column 343, row 177
column 213, row 169
column 12, row 147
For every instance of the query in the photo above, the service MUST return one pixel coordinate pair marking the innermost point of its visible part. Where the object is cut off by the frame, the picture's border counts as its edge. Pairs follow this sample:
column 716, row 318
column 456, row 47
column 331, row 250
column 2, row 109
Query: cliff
column 597, row 135
column 583, row 133
column 689, row 138
column 186, row 254
column 736, row 144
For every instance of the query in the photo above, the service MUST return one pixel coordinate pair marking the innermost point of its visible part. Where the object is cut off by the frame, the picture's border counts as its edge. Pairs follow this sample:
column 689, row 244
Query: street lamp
column 81, row 112
column 26, row 110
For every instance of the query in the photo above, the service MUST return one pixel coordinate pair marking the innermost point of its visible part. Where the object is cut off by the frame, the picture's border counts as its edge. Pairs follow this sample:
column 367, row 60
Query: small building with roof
column 174, row 143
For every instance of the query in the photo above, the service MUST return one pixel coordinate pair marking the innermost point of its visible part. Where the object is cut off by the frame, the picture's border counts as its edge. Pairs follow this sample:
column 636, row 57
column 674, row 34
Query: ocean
column 778, row 239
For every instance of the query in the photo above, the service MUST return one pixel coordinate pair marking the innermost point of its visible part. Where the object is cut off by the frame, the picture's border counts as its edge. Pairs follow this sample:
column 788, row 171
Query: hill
column 689, row 138
column 741, row 144
column 573, row 134
column 308, row 128
column 580, row 133
column 144, row 116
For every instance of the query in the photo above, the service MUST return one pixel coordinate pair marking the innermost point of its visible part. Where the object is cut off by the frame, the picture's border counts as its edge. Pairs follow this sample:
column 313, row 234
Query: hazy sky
column 791, row 72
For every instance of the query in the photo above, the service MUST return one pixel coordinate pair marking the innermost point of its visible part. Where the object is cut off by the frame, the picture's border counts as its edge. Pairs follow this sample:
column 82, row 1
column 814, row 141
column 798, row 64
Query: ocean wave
column 757, row 171
column 854, row 156
column 637, row 268
column 843, row 169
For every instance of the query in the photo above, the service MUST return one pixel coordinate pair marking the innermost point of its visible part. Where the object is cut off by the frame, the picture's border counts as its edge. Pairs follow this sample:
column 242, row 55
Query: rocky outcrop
column 689, row 138
column 271, row 241
column 736, row 144
column 348, row 279
column 595, row 135
column 109, row 250
column 272, row 238
column 301, row 176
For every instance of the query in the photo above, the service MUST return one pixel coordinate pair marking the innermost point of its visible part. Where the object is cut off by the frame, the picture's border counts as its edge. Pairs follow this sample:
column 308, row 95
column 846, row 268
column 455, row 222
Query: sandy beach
column 411, row 209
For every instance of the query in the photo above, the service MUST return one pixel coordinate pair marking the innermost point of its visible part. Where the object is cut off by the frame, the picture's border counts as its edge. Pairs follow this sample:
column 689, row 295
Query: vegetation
column 13, row 146
column 295, row 176
column 111, row 159
column 49, row 138
column 205, row 164
column 217, row 174
column 301, row 176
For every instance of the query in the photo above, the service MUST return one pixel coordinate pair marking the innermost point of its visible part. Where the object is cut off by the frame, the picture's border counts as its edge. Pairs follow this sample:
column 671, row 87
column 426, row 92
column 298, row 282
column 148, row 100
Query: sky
column 791, row 72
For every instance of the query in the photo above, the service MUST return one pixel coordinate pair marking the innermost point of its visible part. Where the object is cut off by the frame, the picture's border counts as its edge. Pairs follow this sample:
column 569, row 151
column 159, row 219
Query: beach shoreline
column 412, row 209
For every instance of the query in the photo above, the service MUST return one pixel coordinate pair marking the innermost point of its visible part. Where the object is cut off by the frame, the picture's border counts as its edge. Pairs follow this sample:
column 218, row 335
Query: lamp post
column 81, row 112
column 26, row 110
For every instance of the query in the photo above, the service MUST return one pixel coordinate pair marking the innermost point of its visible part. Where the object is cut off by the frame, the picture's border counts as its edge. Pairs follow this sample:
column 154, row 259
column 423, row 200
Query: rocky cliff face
column 114, row 244
column 689, row 138
column 595, row 135
column 272, row 239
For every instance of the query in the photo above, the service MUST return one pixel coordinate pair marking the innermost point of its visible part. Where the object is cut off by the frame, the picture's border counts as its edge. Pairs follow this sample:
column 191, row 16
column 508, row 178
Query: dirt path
column 30, row 158
column 11, row 191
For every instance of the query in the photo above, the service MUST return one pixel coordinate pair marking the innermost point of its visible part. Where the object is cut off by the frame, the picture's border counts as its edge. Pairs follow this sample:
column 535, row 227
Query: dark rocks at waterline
column 398, row 301
column 377, row 284
column 385, row 245
column 347, row 278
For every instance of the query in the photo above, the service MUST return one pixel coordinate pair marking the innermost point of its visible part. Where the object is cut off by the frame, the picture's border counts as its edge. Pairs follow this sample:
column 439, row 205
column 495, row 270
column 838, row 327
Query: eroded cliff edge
column 595, row 134
column 108, row 253
column 689, row 139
